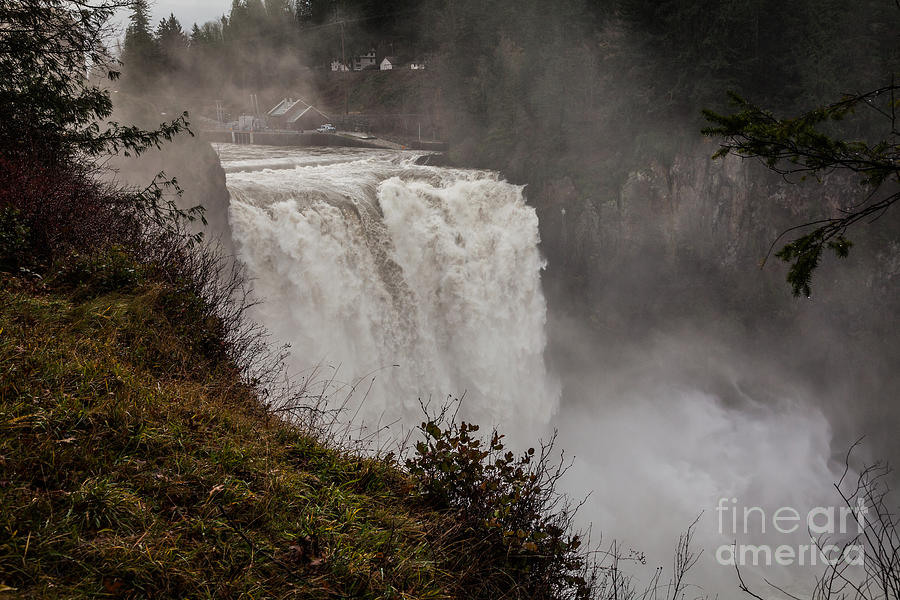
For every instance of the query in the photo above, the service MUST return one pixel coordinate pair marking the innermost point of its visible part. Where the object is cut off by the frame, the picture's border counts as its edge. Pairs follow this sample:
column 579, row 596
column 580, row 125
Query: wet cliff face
column 701, row 228
column 674, row 253
column 195, row 165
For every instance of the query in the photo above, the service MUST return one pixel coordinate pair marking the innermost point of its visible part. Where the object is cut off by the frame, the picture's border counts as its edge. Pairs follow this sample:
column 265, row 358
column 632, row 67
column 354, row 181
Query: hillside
column 137, row 464
column 142, row 450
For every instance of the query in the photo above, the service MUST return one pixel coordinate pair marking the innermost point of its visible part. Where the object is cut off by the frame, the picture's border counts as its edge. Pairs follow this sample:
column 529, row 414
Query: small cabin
column 388, row 63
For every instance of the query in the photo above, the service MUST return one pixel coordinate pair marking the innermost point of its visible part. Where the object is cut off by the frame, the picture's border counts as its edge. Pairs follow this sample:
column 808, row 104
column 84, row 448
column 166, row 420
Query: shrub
column 62, row 210
column 108, row 270
column 14, row 235
column 516, row 526
column 56, row 133
column 870, row 497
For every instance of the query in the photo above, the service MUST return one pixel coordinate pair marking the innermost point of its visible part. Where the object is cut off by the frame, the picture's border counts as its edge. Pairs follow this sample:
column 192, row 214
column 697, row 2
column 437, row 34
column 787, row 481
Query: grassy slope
column 132, row 466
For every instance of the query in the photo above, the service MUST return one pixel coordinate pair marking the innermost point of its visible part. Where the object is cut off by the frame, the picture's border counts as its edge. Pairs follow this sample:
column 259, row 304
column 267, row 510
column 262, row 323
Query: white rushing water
column 426, row 279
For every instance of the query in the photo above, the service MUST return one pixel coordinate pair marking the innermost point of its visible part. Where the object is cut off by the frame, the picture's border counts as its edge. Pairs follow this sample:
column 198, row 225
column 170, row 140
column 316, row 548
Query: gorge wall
column 673, row 257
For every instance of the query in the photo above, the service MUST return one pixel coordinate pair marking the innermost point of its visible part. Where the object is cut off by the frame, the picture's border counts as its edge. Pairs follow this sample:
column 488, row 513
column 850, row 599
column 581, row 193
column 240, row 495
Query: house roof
column 281, row 108
column 292, row 110
column 308, row 110
column 390, row 59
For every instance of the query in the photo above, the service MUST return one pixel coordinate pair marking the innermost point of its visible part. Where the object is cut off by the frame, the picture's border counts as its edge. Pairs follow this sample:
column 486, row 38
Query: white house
column 337, row 65
column 388, row 63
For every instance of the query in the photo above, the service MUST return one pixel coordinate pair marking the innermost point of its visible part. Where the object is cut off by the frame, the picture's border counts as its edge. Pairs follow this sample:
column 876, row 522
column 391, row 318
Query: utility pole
column 346, row 75
column 343, row 56
column 562, row 212
column 254, row 106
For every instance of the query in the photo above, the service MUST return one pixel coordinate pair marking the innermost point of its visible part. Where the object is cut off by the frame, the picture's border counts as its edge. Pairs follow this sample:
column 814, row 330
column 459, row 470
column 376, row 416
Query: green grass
column 133, row 465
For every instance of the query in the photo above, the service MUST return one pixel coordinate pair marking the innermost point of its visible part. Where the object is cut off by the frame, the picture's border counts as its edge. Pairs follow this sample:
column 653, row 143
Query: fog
column 663, row 429
column 677, row 371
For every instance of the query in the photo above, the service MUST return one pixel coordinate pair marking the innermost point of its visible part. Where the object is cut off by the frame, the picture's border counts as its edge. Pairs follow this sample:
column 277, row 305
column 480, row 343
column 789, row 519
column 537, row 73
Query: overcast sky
column 190, row 11
column 187, row 11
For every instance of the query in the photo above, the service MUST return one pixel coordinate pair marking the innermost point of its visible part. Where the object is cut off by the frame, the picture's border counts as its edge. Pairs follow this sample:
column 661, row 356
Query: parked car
column 326, row 128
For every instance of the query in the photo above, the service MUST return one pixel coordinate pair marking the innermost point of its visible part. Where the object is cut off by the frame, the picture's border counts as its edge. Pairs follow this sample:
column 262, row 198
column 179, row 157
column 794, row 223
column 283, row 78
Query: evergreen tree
column 48, row 108
column 140, row 52
column 169, row 33
column 56, row 120
column 209, row 34
column 280, row 23
column 806, row 145
column 206, row 57
column 172, row 42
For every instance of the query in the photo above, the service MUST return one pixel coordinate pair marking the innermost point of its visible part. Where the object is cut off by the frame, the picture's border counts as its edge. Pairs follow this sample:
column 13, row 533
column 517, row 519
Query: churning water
column 426, row 279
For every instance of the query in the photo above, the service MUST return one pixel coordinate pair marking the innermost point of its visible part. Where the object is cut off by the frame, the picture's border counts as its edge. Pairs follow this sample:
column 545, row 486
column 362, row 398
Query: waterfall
column 423, row 279
column 428, row 280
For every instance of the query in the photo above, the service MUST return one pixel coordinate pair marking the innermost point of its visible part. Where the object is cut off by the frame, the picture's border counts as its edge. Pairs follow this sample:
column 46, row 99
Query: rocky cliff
column 695, row 228
column 673, row 257
column 196, row 167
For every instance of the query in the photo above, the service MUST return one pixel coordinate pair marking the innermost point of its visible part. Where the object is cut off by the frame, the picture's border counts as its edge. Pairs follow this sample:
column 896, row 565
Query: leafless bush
column 868, row 496
column 616, row 582
column 225, row 296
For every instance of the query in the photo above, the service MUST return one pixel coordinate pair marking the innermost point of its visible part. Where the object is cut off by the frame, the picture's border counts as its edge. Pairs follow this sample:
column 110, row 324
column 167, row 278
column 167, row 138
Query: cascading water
column 426, row 279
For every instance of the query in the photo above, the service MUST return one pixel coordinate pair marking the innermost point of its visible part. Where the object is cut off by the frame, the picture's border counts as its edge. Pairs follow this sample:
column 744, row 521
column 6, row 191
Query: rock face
column 195, row 165
column 673, row 256
column 701, row 227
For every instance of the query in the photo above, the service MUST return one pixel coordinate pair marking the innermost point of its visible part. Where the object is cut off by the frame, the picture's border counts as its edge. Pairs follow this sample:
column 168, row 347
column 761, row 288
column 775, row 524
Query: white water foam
column 425, row 278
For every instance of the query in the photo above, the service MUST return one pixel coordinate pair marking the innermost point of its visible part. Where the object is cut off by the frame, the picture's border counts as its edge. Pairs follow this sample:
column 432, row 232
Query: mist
column 582, row 265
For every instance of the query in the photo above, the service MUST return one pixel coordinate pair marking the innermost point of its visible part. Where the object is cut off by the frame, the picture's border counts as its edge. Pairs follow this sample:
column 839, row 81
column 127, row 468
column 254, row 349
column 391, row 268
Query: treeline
column 261, row 44
column 784, row 54
column 558, row 72
column 691, row 51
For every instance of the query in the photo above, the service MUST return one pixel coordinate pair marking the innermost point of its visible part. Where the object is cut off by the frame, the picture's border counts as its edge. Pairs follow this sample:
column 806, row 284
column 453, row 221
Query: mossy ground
column 133, row 465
